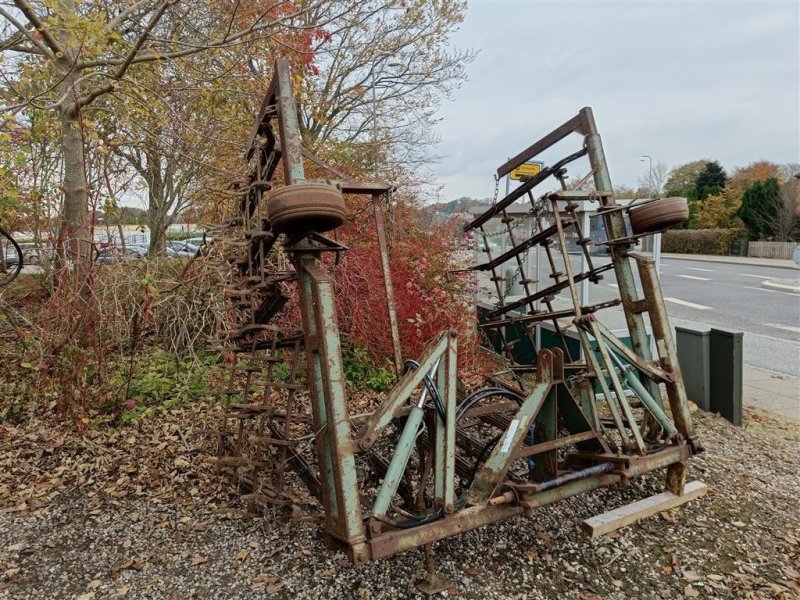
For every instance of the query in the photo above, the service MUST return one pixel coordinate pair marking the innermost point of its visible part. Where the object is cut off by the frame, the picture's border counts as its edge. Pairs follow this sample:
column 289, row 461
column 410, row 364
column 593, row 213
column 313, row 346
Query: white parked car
column 796, row 255
column 181, row 248
column 198, row 241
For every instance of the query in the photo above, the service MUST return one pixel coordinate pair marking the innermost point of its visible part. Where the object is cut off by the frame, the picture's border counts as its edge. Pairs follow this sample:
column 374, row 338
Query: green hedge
column 183, row 235
column 700, row 241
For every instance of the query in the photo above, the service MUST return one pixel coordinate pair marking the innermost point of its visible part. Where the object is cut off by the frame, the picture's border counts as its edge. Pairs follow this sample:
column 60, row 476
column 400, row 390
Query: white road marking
column 689, row 304
column 614, row 285
column 694, row 277
column 698, row 269
column 786, row 327
column 747, row 287
column 761, row 277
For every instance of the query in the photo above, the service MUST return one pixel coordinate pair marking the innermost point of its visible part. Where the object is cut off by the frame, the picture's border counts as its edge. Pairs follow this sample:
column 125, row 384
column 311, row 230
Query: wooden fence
column 771, row 249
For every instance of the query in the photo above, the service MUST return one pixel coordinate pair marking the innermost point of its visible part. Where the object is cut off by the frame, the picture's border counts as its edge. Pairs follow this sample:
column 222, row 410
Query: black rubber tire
column 658, row 215
column 305, row 207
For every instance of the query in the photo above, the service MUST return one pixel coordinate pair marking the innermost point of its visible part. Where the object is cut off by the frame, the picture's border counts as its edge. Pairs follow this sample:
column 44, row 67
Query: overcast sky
column 677, row 80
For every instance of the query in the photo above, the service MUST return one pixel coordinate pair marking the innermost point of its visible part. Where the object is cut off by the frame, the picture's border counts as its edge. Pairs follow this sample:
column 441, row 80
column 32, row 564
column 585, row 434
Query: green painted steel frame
column 329, row 403
column 440, row 356
column 493, row 471
column 402, row 390
column 335, row 444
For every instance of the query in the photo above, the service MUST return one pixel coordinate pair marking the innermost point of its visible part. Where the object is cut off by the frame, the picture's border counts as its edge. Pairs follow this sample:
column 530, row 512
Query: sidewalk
column 779, row 263
column 773, row 393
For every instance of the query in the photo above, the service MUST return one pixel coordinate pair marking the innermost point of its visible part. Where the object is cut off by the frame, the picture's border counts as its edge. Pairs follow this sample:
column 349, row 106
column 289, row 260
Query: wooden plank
column 620, row 517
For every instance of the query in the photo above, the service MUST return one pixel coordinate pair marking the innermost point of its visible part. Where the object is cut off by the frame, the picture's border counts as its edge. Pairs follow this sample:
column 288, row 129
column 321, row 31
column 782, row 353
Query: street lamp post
column 657, row 236
column 650, row 173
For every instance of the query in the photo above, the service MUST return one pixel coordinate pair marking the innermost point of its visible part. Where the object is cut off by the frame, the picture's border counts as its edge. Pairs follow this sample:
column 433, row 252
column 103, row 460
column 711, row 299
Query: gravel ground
column 136, row 513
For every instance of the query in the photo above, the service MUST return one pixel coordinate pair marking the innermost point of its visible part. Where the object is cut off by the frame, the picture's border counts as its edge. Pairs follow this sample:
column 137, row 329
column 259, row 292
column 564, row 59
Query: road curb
column 725, row 260
column 784, row 285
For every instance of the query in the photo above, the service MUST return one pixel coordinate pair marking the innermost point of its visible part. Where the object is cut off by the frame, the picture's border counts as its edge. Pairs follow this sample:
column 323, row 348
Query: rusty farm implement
column 580, row 413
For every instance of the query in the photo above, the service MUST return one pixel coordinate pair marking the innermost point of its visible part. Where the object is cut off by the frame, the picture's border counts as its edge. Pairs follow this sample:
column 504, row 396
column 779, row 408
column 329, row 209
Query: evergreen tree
column 711, row 180
column 760, row 208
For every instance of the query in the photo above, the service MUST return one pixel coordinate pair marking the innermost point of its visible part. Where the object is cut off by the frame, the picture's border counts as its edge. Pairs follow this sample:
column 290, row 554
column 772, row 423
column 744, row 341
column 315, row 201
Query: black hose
column 432, row 389
column 417, row 520
column 468, row 403
column 18, row 268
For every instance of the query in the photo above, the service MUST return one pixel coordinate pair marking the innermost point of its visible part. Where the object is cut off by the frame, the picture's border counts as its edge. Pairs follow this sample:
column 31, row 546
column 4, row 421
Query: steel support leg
column 445, row 454
column 615, row 228
column 329, row 404
column 676, row 392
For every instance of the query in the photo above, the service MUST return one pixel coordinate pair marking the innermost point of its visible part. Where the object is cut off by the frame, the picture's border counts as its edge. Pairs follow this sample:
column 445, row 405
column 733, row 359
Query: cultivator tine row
column 260, row 430
column 556, row 215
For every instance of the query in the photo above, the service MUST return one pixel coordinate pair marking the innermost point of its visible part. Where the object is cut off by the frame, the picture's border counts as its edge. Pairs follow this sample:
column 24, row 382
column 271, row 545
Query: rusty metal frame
column 527, row 430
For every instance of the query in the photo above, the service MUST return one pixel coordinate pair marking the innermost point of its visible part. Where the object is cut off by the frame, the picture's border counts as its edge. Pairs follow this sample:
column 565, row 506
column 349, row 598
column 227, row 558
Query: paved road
column 730, row 296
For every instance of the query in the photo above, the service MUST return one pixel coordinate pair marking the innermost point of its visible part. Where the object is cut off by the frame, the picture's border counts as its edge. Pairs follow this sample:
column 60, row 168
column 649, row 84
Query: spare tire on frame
column 658, row 215
column 304, row 207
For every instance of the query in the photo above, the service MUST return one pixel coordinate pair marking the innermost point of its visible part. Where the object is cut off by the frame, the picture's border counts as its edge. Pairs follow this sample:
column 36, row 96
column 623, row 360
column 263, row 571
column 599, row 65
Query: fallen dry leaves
column 751, row 517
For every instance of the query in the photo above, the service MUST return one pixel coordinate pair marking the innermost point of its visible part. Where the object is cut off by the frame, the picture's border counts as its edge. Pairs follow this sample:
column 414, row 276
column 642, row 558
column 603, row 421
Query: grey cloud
column 676, row 80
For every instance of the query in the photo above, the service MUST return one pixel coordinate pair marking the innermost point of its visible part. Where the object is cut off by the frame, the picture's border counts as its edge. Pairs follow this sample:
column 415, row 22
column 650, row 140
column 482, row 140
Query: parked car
column 136, row 250
column 10, row 255
column 181, row 248
column 110, row 254
column 198, row 241
column 31, row 253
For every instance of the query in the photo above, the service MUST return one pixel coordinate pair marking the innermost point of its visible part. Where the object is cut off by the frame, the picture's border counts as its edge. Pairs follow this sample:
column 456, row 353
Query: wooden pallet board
column 631, row 513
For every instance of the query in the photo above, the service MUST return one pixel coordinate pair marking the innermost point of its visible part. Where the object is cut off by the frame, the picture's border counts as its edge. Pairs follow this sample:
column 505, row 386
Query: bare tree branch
column 128, row 61
column 39, row 25
column 22, row 31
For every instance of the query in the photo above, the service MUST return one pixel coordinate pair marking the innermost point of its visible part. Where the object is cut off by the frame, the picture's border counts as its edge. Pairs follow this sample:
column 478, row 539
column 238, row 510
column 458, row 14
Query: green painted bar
column 450, row 422
column 615, row 225
column 620, row 393
column 400, row 392
column 649, row 403
column 440, row 438
column 603, row 383
column 659, row 320
column 289, row 125
column 399, row 461
column 495, row 467
column 336, row 401
column 323, row 438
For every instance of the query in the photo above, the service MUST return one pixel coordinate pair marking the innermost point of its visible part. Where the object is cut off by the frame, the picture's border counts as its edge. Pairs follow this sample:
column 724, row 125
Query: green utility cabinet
column 694, row 353
column 726, row 374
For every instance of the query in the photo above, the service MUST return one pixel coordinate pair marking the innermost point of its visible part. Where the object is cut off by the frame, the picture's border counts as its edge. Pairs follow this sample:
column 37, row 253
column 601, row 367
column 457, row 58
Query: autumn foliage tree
column 368, row 101
column 85, row 50
column 769, row 210
column 720, row 210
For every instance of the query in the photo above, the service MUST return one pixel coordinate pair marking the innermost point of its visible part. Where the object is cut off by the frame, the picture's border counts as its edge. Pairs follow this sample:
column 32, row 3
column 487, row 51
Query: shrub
column 700, row 241
column 428, row 298
column 361, row 371
column 160, row 381
column 75, row 345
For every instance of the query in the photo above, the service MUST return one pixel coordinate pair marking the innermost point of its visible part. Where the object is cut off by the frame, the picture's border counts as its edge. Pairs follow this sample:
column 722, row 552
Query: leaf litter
column 138, row 512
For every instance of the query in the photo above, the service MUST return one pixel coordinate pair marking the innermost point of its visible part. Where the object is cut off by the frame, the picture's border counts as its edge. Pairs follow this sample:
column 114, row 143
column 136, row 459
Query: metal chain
column 532, row 213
